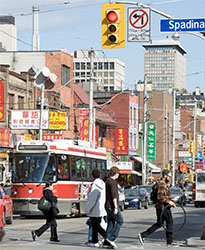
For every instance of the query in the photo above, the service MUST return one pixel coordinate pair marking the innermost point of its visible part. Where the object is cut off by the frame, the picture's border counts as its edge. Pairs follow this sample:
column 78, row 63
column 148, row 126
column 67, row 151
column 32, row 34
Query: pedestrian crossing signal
column 113, row 26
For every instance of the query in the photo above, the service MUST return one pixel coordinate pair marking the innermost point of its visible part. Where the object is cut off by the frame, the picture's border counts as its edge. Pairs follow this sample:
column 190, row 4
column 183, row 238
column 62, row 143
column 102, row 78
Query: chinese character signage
column 57, row 120
column 51, row 137
column 108, row 144
column 151, row 136
column 2, row 100
column 28, row 119
column 4, row 137
column 121, row 142
column 84, row 124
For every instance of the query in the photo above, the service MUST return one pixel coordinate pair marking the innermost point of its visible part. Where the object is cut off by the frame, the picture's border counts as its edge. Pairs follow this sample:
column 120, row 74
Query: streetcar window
column 94, row 164
column 84, row 169
column 63, row 168
column 99, row 164
column 89, row 168
column 50, row 171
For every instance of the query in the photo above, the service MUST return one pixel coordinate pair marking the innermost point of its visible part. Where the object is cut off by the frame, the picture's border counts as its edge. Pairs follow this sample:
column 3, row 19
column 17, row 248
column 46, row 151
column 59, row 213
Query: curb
column 195, row 242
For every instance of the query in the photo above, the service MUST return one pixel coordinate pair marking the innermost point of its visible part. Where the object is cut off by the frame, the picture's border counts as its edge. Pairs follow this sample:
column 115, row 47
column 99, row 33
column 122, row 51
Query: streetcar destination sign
column 172, row 25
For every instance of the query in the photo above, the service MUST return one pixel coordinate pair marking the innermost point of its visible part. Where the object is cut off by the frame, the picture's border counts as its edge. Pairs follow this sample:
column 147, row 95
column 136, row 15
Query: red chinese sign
column 84, row 125
column 121, row 142
column 4, row 137
column 96, row 135
column 51, row 137
column 108, row 144
column 2, row 100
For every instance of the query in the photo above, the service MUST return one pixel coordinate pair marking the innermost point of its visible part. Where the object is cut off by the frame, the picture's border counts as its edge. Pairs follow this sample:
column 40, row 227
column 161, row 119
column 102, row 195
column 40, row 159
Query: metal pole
column 144, row 132
column 41, row 111
column 173, row 138
column 194, row 137
column 91, row 100
column 35, row 41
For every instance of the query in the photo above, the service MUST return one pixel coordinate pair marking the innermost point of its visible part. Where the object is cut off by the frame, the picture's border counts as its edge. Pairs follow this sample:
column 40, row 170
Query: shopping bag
column 44, row 205
column 103, row 223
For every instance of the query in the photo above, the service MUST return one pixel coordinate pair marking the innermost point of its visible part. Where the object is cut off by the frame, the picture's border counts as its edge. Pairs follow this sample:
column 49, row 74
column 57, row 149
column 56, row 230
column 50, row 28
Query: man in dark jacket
column 114, row 215
column 163, row 200
column 50, row 217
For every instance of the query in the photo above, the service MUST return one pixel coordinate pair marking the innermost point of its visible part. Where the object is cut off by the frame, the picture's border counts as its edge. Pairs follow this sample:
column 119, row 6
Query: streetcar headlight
column 30, row 191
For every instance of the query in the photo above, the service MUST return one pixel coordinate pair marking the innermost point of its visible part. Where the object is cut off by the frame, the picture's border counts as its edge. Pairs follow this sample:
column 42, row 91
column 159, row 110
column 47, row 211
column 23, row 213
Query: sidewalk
column 195, row 242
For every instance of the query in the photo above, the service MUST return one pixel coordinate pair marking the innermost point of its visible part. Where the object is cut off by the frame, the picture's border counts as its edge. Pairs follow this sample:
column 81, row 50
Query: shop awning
column 154, row 169
column 136, row 173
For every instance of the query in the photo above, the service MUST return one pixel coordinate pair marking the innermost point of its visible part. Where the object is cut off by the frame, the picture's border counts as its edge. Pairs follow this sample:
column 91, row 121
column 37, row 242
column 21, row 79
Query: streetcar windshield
column 34, row 168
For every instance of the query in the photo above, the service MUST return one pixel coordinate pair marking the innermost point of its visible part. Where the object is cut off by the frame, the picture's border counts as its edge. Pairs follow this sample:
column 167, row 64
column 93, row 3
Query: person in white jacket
column 95, row 208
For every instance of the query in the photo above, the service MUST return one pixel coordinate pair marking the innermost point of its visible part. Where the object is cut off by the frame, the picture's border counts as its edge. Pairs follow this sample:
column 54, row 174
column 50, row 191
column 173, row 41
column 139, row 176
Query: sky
column 77, row 26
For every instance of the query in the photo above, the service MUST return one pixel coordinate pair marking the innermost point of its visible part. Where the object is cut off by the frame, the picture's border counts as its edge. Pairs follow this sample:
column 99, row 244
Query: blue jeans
column 115, row 222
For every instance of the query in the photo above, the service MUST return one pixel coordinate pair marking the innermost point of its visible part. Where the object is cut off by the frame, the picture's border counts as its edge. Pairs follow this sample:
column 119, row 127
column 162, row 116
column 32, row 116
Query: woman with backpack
column 50, row 216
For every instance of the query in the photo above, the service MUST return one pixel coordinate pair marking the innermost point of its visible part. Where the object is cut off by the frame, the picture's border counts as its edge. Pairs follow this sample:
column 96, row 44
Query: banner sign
column 58, row 120
column 2, row 100
column 4, row 137
column 121, row 142
column 51, row 137
column 84, row 124
column 28, row 119
column 151, row 141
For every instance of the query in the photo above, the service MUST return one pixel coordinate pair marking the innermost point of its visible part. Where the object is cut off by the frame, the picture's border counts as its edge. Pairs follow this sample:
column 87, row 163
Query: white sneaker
column 141, row 239
column 112, row 243
column 90, row 244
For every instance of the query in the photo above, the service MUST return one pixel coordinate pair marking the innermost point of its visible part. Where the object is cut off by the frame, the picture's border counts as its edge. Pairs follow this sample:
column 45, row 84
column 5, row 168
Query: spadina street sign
column 138, row 25
column 174, row 25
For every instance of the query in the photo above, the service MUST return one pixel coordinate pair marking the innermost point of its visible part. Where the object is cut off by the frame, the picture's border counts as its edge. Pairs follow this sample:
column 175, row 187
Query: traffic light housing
column 113, row 26
column 192, row 147
column 203, row 150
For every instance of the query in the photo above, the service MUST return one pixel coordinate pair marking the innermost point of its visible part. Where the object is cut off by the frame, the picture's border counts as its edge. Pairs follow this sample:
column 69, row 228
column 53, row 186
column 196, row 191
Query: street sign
column 173, row 25
column 138, row 25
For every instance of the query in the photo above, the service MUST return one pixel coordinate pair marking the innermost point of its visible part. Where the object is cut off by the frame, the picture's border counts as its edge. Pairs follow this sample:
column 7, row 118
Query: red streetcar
column 67, row 165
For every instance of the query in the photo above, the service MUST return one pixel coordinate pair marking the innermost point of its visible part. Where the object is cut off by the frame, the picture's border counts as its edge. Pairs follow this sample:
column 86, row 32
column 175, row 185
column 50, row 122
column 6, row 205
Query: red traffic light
column 112, row 16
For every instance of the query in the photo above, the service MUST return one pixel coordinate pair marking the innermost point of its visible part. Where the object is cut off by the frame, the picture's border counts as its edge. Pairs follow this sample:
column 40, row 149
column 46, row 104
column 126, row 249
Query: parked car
column 136, row 198
column 121, row 198
column 149, row 190
column 178, row 195
column 188, row 193
column 6, row 206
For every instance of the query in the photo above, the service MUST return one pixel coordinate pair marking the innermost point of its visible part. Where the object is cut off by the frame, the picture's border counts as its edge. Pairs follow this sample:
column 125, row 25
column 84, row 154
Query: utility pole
column 194, row 135
column 173, row 136
column 144, row 132
column 35, row 40
column 90, row 139
column 41, row 112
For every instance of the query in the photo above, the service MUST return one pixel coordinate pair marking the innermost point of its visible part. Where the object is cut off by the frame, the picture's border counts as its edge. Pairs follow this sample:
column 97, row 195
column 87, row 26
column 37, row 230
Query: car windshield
column 131, row 192
column 176, row 191
column 189, row 188
column 148, row 188
column 33, row 168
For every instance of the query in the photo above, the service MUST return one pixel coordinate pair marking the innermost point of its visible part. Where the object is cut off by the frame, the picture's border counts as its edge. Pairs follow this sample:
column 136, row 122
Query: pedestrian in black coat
column 50, row 218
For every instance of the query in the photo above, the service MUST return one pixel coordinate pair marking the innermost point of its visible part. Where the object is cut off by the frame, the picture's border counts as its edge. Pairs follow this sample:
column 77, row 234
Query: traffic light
column 192, row 147
column 203, row 150
column 113, row 26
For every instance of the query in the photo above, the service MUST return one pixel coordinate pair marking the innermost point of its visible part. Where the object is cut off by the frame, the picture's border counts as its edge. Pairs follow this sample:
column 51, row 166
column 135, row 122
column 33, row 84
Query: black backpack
column 153, row 195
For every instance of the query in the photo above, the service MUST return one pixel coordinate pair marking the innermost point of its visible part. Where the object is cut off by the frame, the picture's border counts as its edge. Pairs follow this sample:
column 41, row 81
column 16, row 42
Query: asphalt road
column 73, row 232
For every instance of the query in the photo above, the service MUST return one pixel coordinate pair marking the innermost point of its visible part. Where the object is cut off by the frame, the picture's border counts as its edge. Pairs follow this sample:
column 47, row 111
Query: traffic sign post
column 186, row 25
column 138, row 25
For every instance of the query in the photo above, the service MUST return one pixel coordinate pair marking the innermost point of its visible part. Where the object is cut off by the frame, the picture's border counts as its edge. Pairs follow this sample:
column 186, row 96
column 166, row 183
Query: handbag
column 44, row 205
column 54, row 209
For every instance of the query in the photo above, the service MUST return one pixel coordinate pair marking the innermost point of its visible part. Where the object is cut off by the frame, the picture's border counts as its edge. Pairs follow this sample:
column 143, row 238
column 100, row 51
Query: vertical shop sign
column 84, row 124
column 151, row 140
column 121, row 142
column 2, row 100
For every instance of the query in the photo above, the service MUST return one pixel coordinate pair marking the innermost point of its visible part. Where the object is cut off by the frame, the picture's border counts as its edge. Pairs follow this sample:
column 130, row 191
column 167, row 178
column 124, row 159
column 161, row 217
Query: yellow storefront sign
column 57, row 120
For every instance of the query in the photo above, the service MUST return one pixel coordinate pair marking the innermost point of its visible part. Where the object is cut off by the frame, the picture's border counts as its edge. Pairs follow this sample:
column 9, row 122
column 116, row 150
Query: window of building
column 95, row 65
column 88, row 65
column 100, row 65
column 111, row 88
column 77, row 65
column 82, row 74
column 105, row 65
column 77, row 81
column 130, row 115
column 106, row 88
column 77, row 74
column 82, row 65
column 112, row 65
column 20, row 102
column 65, row 75
column 11, row 101
column 111, row 74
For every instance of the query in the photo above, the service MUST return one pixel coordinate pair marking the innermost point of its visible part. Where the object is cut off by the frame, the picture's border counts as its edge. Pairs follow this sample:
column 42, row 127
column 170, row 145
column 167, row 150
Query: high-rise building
column 109, row 73
column 165, row 65
column 7, row 33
